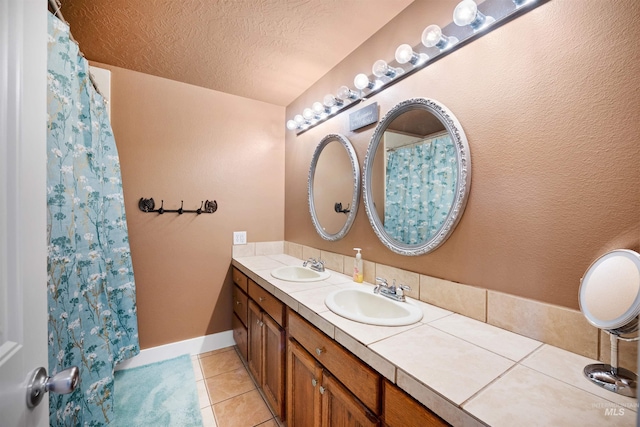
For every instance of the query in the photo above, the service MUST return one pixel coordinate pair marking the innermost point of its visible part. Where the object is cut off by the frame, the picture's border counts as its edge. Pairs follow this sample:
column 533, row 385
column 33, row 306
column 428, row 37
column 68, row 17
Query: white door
column 23, row 268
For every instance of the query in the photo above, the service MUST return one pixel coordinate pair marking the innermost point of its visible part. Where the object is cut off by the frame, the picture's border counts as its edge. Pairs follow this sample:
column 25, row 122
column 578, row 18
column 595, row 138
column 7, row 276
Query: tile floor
column 228, row 396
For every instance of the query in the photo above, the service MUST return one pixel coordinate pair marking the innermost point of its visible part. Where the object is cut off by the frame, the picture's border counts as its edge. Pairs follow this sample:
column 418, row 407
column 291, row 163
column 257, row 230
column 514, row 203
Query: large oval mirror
column 334, row 187
column 417, row 175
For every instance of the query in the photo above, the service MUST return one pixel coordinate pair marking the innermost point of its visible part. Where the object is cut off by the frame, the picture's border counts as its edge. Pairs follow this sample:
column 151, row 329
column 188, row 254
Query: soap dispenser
column 358, row 275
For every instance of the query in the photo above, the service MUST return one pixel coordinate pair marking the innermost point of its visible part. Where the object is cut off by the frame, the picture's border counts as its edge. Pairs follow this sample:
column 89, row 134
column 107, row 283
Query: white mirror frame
column 463, row 182
column 355, row 200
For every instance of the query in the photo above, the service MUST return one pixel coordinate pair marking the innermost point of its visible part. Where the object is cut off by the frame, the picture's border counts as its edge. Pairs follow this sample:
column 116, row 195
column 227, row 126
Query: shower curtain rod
column 56, row 5
column 420, row 141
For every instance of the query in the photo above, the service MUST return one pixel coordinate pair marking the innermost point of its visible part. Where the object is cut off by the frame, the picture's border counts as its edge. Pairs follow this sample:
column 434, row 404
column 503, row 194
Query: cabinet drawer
column 240, row 335
column 401, row 410
column 359, row 378
column 240, row 304
column 267, row 302
column 239, row 278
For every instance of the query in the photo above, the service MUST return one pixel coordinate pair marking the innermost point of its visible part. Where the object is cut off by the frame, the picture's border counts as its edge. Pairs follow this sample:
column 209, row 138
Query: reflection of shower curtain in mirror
column 419, row 191
column 91, row 290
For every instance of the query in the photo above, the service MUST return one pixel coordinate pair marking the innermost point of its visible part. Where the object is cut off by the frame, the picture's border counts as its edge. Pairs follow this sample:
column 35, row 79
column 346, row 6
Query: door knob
column 63, row 382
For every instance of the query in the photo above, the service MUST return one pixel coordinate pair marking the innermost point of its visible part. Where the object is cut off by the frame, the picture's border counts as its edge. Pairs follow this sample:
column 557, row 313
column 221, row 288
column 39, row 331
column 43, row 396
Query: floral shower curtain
column 91, row 289
column 421, row 180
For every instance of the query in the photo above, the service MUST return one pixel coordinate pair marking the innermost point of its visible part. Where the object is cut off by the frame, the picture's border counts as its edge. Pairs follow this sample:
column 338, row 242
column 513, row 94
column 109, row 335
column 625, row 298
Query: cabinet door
column 255, row 330
column 304, row 377
column 361, row 379
column 341, row 408
column 273, row 372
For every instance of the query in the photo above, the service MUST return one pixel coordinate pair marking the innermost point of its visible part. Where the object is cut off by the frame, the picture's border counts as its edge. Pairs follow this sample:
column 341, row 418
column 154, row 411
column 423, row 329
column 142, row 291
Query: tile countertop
column 468, row 372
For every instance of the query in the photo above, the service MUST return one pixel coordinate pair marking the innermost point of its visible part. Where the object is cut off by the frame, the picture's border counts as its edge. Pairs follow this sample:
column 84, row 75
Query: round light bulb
column 318, row 108
column 344, row 92
column 307, row 113
column 329, row 100
column 381, row 68
column 431, row 35
column 465, row 12
column 404, row 53
column 299, row 119
column 361, row 81
column 291, row 125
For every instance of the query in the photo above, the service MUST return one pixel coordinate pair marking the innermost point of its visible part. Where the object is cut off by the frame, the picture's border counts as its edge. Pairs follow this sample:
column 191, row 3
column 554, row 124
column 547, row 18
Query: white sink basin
column 362, row 305
column 295, row 273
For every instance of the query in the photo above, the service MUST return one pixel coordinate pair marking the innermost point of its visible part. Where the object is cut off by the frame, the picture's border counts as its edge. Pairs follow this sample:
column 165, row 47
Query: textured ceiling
column 269, row 50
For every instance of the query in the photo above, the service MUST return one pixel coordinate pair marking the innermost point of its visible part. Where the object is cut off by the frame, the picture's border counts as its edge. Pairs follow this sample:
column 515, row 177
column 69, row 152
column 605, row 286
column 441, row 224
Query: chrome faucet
column 394, row 292
column 380, row 282
column 317, row 265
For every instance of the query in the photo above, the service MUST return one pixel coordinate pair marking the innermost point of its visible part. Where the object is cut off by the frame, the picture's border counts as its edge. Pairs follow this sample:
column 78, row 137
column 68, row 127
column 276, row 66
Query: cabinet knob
column 314, row 382
column 238, row 302
column 261, row 299
column 319, row 351
column 322, row 390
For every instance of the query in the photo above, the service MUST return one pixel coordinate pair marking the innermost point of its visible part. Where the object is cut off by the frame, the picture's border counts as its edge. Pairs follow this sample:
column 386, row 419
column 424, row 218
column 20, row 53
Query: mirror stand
column 609, row 297
column 611, row 377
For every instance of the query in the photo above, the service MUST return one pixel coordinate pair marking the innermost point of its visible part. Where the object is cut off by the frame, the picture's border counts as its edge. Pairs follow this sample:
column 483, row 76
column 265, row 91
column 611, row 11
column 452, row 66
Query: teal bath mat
column 160, row 394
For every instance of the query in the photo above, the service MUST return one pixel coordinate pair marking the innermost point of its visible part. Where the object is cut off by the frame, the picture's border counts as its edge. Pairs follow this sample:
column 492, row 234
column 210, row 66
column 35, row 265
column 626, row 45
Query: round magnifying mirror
column 417, row 175
column 610, row 292
column 609, row 298
column 334, row 187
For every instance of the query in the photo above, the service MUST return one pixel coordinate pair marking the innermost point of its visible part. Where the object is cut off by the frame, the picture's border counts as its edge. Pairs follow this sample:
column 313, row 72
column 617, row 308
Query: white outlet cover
column 239, row 237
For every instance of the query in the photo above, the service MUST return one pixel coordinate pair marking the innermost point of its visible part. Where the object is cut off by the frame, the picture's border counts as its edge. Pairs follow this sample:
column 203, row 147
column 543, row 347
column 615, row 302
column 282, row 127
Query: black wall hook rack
column 338, row 208
column 148, row 205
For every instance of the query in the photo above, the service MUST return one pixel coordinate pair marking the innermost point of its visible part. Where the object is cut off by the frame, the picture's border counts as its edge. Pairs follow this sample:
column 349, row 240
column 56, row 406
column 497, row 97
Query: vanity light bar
column 470, row 21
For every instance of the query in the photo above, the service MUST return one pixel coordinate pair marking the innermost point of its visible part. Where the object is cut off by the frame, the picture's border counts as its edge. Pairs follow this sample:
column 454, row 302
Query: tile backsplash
column 558, row 326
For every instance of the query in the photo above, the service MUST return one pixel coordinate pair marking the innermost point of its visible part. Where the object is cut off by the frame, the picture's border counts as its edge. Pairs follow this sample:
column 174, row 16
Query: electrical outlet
column 239, row 237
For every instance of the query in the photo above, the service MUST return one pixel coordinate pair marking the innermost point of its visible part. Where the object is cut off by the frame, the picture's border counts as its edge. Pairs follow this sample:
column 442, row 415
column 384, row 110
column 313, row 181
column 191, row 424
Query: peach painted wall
column 181, row 142
column 550, row 104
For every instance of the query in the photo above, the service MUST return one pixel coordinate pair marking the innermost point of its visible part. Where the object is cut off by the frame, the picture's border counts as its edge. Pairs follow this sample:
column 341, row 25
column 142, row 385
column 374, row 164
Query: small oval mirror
column 417, row 175
column 334, row 187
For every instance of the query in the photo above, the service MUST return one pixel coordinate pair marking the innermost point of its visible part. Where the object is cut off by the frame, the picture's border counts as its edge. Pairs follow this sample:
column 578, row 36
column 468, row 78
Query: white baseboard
column 191, row 346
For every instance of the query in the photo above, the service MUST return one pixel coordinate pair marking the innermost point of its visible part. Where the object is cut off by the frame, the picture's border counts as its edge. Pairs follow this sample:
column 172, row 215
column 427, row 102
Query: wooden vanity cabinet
column 240, row 279
column 266, row 354
column 254, row 357
column 240, row 336
column 326, row 384
column 304, row 406
column 360, row 379
column 240, row 304
column 273, row 380
column 316, row 399
column 341, row 408
column 240, row 312
column 401, row 410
